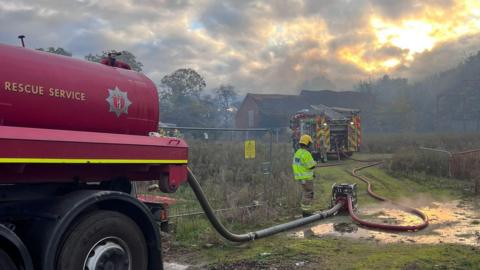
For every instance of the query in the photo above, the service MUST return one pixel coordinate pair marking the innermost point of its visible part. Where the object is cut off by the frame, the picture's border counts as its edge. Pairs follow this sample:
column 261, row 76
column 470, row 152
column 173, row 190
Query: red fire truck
column 74, row 136
column 335, row 131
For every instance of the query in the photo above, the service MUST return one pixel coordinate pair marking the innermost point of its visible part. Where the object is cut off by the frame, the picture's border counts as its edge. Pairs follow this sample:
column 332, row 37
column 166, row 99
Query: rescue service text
column 39, row 90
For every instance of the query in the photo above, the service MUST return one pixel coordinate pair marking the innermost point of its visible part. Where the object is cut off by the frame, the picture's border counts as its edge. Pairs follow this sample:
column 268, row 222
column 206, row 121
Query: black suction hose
column 298, row 222
column 197, row 189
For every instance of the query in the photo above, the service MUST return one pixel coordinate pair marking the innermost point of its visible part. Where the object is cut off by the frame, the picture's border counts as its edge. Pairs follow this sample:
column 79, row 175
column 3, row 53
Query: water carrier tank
column 44, row 90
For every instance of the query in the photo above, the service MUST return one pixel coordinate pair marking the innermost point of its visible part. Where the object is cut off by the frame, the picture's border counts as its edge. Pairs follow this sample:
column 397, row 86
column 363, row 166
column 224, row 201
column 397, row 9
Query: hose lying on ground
column 209, row 212
column 378, row 197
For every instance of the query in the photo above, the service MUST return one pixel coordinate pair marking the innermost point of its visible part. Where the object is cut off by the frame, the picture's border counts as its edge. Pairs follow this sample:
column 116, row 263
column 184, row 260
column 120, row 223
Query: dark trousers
column 307, row 196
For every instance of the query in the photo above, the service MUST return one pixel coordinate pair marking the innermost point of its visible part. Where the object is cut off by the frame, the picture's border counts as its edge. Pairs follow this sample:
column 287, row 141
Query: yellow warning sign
column 250, row 149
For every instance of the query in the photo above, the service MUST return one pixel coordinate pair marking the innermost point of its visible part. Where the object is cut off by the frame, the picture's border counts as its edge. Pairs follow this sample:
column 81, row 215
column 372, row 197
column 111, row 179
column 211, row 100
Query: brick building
column 274, row 110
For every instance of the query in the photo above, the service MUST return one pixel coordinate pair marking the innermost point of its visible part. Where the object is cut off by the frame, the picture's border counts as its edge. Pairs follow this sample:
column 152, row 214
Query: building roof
column 278, row 104
column 275, row 109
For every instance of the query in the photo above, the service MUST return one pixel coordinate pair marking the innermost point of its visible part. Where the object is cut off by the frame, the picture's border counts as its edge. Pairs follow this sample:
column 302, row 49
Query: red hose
column 378, row 197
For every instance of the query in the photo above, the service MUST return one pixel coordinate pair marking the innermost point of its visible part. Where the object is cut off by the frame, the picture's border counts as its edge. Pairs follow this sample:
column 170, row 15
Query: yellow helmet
column 305, row 139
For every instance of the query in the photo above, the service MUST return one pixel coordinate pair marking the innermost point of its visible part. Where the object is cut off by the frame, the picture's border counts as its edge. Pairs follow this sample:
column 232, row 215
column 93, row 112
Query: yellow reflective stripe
column 303, row 174
column 94, row 161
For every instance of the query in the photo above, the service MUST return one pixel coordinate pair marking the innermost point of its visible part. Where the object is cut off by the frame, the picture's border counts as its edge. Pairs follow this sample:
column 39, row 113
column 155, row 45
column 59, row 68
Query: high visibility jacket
column 303, row 165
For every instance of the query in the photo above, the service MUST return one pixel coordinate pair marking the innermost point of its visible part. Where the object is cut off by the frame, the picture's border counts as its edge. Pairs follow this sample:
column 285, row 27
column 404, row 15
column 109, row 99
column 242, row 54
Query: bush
column 391, row 143
column 411, row 160
column 231, row 182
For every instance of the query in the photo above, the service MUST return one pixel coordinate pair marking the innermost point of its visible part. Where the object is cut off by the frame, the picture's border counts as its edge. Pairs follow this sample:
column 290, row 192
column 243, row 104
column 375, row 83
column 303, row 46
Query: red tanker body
column 44, row 90
column 74, row 136
column 65, row 103
column 30, row 155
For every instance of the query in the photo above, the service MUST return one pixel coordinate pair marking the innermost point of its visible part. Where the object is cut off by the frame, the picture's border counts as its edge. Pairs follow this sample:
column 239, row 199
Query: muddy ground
column 451, row 241
column 452, row 222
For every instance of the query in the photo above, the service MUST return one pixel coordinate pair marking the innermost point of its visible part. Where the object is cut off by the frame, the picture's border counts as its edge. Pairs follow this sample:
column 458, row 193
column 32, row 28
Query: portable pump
column 340, row 193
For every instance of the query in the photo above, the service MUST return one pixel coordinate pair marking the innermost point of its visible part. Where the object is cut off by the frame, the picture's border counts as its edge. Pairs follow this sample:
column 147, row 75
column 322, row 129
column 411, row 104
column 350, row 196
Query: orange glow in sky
column 414, row 35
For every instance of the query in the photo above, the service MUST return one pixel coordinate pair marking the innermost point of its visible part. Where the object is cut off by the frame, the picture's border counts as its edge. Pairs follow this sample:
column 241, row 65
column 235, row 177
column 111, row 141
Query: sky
column 259, row 46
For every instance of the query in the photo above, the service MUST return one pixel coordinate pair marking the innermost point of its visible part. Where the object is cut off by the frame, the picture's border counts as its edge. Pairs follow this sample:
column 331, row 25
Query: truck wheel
column 6, row 262
column 104, row 240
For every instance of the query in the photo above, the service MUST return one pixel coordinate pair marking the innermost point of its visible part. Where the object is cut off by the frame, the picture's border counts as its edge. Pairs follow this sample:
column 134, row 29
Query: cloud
column 445, row 56
column 258, row 46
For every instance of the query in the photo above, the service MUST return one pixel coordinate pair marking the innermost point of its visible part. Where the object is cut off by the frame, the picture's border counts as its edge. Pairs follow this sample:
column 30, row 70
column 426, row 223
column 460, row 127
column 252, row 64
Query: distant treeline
column 447, row 102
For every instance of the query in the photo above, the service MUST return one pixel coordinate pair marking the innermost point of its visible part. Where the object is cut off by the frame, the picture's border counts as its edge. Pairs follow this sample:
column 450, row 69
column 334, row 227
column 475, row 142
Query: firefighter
column 110, row 60
column 303, row 171
column 177, row 134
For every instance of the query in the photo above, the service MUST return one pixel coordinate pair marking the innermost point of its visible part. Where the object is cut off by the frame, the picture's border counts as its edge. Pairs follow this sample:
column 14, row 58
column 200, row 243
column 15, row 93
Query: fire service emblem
column 118, row 101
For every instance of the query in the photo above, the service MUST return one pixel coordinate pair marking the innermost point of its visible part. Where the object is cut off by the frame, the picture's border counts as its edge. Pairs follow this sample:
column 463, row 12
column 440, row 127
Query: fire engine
column 74, row 137
column 335, row 131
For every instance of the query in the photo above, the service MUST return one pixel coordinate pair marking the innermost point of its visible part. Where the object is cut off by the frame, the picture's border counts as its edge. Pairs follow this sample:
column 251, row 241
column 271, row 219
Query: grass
column 230, row 181
column 283, row 252
column 390, row 143
column 388, row 184
column 279, row 193
column 335, row 253
column 408, row 158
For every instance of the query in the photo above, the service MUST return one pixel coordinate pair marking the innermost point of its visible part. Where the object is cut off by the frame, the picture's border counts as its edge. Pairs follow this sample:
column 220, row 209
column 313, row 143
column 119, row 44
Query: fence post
column 450, row 156
column 450, row 160
column 477, row 185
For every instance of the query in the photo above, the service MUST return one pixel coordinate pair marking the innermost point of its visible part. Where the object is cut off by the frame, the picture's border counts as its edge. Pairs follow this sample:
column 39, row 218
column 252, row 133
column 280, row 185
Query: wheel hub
column 108, row 254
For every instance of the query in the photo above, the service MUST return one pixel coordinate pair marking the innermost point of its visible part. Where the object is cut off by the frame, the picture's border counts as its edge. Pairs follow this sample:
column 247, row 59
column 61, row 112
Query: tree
column 125, row 56
column 225, row 95
column 183, row 82
column 94, row 58
column 393, row 108
column 181, row 102
column 364, row 87
column 59, row 50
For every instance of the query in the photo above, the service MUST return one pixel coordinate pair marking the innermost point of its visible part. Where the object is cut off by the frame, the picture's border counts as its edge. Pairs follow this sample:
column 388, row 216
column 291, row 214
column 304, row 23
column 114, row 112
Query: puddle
column 174, row 266
column 456, row 222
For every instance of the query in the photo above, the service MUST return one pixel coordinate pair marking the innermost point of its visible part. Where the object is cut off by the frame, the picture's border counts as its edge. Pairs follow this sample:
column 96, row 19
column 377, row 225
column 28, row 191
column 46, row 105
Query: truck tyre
column 6, row 262
column 103, row 240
